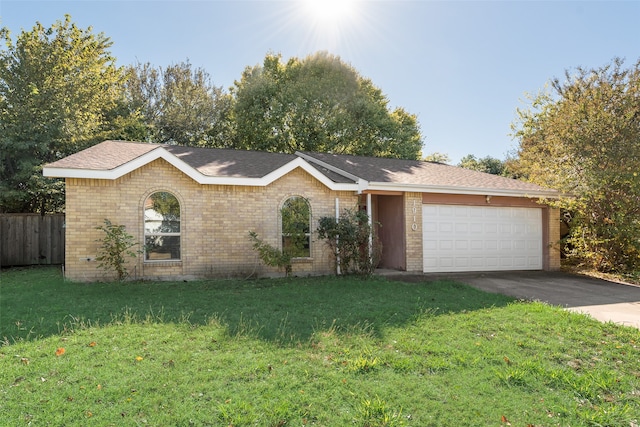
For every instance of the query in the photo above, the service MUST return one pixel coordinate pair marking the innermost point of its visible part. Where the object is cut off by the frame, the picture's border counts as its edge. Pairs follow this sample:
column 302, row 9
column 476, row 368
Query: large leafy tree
column 318, row 103
column 59, row 91
column 583, row 138
column 485, row 164
column 177, row 104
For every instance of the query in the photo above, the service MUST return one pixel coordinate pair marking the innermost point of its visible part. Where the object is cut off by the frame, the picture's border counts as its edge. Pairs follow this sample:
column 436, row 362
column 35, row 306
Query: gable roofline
column 161, row 153
column 362, row 184
column 101, row 163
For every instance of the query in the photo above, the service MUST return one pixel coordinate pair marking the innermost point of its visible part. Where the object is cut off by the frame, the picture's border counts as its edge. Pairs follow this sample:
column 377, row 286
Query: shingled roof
column 112, row 159
column 110, row 155
column 381, row 171
column 107, row 155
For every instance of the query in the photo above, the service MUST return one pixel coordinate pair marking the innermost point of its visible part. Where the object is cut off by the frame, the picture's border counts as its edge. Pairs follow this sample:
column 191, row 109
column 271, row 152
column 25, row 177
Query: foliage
column 486, row 164
column 296, row 219
column 437, row 157
column 59, row 92
column 320, row 104
column 296, row 223
column 115, row 247
column 583, row 139
column 349, row 239
column 270, row 255
column 176, row 105
column 282, row 352
column 166, row 205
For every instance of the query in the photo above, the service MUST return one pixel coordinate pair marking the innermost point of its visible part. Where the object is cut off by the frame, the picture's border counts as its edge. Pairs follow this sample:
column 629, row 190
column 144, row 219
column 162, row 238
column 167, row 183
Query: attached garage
column 481, row 238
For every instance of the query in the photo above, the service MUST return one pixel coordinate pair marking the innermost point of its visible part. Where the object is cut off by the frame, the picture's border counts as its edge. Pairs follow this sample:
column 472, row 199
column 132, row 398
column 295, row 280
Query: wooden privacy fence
column 31, row 239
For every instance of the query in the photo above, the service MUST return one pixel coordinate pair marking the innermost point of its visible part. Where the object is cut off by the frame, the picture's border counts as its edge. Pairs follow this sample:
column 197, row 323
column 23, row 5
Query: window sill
column 163, row 262
column 301, row 260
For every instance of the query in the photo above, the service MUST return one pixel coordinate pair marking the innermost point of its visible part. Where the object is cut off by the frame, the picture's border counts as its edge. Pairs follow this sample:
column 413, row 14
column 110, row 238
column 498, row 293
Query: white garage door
column 481, row 238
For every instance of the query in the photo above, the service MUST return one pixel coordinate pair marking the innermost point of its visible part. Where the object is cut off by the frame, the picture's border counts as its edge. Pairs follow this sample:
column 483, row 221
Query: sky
column 463, row 67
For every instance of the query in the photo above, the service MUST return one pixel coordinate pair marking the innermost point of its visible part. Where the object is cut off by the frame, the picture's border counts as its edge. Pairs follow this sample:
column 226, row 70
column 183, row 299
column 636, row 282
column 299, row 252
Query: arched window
column 296, row 227
column 161, row 227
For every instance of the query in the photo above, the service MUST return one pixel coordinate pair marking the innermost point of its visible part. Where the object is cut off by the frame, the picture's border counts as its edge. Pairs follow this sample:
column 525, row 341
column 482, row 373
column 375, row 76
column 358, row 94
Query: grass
column 315, row 352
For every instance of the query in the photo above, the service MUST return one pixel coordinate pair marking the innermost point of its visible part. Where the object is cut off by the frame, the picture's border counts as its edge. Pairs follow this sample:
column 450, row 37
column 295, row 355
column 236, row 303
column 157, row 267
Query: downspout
column 370, row 220
column 337, row 248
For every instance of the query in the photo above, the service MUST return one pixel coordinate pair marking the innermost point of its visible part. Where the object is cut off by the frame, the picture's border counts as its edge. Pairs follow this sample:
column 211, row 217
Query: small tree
column 271, row 256
column 351, row 241
column 115, row 247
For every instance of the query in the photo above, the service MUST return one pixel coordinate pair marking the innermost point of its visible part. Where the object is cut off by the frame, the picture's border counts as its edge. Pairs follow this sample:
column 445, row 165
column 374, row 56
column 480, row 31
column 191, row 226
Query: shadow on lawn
column 37, row 303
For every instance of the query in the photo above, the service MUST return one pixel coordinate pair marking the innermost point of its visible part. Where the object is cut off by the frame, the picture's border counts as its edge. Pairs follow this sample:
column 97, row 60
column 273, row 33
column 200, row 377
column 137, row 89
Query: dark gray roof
column 418, row 172
column 340, row 169
column 230, row 163
column 109, row 155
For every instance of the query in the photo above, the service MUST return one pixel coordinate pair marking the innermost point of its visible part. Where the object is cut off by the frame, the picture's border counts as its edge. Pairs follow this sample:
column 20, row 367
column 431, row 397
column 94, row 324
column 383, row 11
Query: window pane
column 162, row 213
column 162, row 247
column 161, row 217
column 296, row 219
column 296, row 246
column 295, row 216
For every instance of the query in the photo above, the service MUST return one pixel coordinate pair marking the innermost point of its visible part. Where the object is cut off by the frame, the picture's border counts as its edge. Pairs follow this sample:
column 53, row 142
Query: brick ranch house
column 192, row 209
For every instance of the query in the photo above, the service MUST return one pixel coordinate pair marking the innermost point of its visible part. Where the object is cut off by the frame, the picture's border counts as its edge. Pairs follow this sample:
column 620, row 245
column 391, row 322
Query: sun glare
column 330, row 23
column 330, row 11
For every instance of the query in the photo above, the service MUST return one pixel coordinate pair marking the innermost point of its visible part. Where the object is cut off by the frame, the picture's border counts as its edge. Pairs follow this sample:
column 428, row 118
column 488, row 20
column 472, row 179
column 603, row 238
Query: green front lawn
column 294, row 352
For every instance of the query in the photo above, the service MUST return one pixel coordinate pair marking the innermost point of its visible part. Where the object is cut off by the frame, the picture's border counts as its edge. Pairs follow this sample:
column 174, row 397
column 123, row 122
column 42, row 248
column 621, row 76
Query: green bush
column 115, row 247
column 351, row 240
column 271, row 256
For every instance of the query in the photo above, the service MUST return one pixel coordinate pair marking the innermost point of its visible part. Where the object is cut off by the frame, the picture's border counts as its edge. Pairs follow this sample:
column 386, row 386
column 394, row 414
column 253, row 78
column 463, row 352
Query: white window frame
column 307, row 234
column 161, row 234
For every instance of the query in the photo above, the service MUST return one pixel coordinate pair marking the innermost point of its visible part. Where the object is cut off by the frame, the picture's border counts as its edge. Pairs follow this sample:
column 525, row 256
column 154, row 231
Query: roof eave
column 200, row 178
column 446, row 189
column 328, row 166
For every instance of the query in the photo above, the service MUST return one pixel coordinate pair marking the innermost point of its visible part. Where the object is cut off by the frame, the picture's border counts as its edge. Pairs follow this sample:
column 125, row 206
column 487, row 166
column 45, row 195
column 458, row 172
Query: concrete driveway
column 603, row 300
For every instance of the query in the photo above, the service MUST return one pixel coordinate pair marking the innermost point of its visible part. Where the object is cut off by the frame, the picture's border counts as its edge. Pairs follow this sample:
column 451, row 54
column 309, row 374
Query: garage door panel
column 506, row 263
column 477, row 262
column 462, row 245
column 491, row 263
column 462, row 227
column 446, row 262
column 461, row 212
column 479, row 238
column 430, row 245
column 491, row 228
column 446, row 227
column 446, row 245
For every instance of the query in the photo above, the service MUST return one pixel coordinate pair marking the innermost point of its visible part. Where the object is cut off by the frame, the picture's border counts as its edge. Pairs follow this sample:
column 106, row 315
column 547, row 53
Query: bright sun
column 330, row 11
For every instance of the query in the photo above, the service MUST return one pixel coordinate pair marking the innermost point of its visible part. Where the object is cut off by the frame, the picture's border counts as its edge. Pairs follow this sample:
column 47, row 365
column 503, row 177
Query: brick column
column 413, row 231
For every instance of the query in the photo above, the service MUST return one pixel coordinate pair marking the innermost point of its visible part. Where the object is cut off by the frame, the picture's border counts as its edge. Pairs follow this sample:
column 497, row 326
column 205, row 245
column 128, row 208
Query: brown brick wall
column 215, row 222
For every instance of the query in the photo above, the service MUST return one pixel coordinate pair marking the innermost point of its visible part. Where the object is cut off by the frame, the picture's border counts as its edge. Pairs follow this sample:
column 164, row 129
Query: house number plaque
column 414, row 226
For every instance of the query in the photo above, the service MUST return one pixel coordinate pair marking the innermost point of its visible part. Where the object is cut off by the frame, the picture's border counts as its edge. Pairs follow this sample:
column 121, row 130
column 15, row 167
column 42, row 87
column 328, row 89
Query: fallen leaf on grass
column 92, row 344
column 139, row 358
column 505, row 420
column 60, row 351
